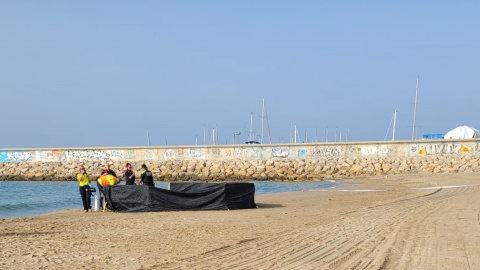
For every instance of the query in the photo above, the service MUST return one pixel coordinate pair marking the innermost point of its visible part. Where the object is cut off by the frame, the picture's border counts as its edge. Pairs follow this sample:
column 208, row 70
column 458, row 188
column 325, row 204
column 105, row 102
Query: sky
column 109, row 73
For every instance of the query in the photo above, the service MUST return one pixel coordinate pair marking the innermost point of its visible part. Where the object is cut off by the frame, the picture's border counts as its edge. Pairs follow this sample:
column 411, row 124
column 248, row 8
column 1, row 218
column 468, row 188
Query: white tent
column 462, row 132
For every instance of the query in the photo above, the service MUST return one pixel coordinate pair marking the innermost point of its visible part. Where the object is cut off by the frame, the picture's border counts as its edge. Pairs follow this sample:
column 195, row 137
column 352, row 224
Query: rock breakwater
column 238, row 170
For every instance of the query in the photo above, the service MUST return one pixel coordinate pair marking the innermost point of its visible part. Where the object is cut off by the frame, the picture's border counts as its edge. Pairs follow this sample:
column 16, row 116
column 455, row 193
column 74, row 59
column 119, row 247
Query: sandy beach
column 403, row 222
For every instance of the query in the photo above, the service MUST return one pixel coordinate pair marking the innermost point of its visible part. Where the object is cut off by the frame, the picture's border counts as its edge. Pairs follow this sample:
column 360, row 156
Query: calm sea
column 25, row 198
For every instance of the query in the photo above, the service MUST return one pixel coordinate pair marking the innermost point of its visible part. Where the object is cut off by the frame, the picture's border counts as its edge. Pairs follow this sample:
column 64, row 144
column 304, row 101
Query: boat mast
column 394, row 120
column 268, row 124
column 291, row 126
column 263, row 112
column 213, row 136
column 295, row 134
column 251, row 127
column 415, row 110
column 148, row 138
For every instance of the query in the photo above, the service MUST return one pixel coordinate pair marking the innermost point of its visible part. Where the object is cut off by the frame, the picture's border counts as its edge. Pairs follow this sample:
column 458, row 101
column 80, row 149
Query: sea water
column 32, row 198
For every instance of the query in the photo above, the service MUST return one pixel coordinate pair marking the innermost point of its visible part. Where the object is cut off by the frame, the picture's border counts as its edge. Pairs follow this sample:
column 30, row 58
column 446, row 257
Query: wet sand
column 403, row 222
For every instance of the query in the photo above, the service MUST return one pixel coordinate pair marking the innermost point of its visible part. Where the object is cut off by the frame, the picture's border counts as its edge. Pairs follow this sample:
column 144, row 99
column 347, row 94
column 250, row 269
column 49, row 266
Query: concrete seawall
column 249, row 162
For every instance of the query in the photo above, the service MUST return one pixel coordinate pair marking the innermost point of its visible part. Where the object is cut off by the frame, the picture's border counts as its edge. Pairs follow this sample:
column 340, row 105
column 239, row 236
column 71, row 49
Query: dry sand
column 397, row 228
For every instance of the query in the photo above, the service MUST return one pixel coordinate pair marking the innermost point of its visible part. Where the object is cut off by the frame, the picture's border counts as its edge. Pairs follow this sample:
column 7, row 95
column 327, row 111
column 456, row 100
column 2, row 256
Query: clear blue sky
column 102, row 73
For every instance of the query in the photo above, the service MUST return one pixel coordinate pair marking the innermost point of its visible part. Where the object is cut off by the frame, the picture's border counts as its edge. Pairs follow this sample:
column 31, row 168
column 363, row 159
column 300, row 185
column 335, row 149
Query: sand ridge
column 401, row 227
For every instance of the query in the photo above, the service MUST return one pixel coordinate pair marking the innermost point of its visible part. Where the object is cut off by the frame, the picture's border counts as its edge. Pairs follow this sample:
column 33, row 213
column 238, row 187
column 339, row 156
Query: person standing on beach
column 129, row 175
column 84, row 181
column 146, row 177
column 105, row 172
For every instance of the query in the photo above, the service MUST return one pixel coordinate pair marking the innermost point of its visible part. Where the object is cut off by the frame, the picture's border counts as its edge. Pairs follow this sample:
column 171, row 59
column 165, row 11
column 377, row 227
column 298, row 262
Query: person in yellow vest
column 84, row 180
column 107, row 178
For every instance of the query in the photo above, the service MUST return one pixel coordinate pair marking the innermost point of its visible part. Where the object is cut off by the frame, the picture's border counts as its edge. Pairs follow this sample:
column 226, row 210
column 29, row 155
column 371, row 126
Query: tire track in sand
column 431, row 243
column 338, row 244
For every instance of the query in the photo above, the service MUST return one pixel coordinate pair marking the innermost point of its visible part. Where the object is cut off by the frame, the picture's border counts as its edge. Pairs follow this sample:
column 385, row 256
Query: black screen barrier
column 182, row 197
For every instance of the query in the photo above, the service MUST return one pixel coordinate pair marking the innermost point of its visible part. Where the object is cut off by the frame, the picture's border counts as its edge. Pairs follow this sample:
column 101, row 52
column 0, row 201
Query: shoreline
column 398, row 228
column 24, row 206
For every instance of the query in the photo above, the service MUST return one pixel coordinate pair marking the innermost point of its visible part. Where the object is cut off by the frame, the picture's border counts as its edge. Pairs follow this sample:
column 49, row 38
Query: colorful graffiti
column 441, row 149
column 116, row 154
column 79, row 155
column 253, row 153
column 15, row 156
column 368, row 150
column 302, row 152
column 280, row 152
column 50, row 156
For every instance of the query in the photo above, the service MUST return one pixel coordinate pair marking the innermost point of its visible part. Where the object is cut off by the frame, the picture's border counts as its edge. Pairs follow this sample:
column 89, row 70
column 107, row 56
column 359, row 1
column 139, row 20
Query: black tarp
column 181, row 197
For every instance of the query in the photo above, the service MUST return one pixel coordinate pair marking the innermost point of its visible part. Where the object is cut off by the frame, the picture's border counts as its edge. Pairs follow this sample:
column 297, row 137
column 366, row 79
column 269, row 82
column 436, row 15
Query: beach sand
column 398, row 226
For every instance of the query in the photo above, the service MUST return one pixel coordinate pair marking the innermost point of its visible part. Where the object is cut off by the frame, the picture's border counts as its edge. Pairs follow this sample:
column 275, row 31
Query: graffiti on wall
column 116, row 154
column 367, row 150
column 441, row 149
column 302, row 152
column 197, row 153
column 241, row 151
column 328, row 151
column 15, row 156
column 216, row 152
column 251, row 153
column 180, row 153
column 87, row 155
column 254, row 153
column 130, row 154
column 79, row 155
column 280, row 152
column 149, row 154
column 50, row 156
column 169, row 155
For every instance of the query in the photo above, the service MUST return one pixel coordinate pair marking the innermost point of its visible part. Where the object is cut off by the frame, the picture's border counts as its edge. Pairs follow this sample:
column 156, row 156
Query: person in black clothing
column 108, row 171
column 146, row 178
column 129, row 175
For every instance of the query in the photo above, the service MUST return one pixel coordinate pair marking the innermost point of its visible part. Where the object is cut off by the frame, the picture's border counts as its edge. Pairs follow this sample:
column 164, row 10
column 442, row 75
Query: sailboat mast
column 263, row 113
column 295, row 134
column 251, row 127
column 148, row 138
column 394, row 120
column 213, row 136
column 268, row 124
column 415, row 111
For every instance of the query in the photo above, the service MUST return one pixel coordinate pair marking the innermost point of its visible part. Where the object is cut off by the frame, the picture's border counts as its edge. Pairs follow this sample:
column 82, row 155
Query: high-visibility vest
column 84, row 179
column 108, row 180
